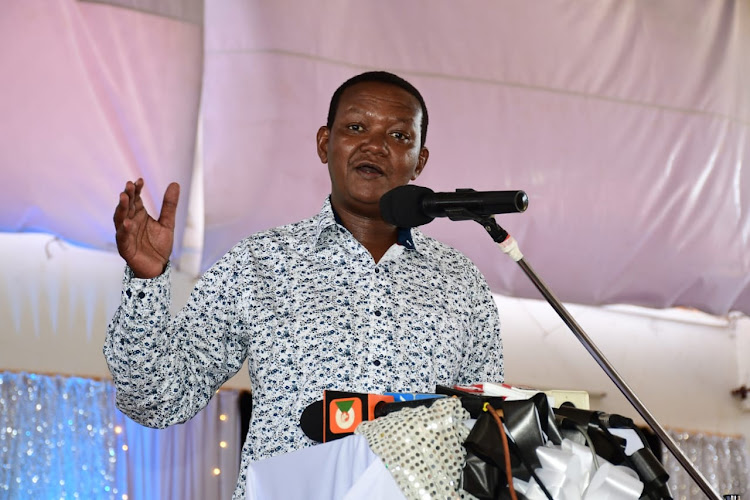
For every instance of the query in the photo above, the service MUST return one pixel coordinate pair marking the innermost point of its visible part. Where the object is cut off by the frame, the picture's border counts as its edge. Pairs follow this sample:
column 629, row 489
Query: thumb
column 169, row 206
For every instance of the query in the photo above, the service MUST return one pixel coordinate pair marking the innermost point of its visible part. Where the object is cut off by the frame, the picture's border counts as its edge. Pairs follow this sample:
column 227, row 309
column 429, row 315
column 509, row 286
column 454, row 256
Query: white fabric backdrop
column 625, row 122
column 92, row 95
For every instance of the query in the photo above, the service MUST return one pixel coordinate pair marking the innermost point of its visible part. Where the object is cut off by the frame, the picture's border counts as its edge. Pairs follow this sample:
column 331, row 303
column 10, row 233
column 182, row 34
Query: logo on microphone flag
column 346, row 415
column 344, row 411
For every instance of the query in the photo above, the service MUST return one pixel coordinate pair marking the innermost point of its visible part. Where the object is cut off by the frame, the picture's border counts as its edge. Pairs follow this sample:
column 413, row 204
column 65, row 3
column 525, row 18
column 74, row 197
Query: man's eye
column 400, row 136
column 355, row 126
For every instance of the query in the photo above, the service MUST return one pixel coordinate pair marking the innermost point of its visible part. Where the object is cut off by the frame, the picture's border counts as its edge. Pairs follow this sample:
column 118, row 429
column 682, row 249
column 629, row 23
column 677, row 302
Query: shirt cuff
column 140, row 294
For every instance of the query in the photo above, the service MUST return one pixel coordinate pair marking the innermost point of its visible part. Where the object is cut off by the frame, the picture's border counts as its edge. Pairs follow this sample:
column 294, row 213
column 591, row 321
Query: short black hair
column 383, row 77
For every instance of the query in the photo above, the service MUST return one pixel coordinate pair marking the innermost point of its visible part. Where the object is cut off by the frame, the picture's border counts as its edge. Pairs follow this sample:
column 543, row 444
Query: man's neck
column 372, row 232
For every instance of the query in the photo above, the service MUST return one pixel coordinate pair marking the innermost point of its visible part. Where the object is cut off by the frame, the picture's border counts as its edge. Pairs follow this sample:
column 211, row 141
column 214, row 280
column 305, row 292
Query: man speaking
column 341, row 301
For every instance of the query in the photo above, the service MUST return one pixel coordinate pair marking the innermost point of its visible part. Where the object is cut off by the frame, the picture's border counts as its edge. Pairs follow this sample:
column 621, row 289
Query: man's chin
column 369, row 196
column 368, row 206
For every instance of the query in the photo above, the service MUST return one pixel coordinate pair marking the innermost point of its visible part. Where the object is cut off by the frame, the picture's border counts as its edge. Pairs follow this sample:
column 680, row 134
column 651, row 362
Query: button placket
column 379, row 316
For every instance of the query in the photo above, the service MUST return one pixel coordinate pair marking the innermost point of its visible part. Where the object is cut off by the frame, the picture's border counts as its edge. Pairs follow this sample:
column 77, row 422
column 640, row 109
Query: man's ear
column 322, row 141
column 424, row 154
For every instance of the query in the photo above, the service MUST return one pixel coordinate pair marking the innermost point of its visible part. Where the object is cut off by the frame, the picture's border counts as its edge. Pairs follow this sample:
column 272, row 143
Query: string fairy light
column 71, row 425
column 58, row 434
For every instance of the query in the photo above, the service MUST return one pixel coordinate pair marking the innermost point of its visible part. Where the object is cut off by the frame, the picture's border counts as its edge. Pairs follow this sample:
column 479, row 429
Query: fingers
column 129, row 202
column 134, row 191
column 122, row 209
column 169, row 206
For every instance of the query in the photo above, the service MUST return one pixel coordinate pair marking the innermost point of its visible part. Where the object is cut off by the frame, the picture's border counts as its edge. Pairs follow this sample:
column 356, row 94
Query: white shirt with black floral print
column 310, row 310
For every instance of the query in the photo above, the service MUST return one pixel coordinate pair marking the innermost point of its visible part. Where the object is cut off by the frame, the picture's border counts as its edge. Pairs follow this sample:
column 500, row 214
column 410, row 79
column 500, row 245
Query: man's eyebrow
column 405, row 118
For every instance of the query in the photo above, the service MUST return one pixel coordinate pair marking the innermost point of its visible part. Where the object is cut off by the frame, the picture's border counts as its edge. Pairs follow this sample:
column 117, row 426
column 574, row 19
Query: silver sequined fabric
column 422, row 448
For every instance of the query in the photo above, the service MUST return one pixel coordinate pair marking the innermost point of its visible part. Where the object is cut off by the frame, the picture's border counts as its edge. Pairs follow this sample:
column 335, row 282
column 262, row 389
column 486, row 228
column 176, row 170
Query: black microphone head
column 402, row 206
column 311, row 421
column 522, row 201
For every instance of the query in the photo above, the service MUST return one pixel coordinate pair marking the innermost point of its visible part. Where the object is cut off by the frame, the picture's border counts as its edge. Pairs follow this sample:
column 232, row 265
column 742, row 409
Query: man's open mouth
column 369, row 169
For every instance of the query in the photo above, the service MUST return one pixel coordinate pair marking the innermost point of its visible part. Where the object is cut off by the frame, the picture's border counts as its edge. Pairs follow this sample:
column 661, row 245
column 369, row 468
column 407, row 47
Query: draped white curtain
column 62, row 437
column 625, row 122
column 92, row 96
column 722, row 460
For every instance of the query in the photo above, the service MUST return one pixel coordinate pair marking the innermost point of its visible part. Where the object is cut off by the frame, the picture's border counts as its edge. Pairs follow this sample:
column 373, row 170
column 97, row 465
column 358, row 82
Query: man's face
column 372, row 147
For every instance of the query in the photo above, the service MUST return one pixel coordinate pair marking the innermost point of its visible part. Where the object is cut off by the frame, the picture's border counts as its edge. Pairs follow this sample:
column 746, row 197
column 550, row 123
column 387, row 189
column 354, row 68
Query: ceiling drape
column 625, row 122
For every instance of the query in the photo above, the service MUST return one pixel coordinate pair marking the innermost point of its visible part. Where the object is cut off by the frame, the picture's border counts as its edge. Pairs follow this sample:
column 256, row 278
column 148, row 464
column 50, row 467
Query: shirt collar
column 327, row 218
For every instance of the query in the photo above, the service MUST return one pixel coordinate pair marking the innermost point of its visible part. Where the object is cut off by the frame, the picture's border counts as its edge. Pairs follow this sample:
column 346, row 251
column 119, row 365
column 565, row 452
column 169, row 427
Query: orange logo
column 345, row 415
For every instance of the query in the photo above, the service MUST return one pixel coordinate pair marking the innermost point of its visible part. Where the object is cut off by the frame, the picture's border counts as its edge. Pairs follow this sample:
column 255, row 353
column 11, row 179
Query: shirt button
column 378, row 313
column 377, row 270
column 376, row 362
column 141, row 295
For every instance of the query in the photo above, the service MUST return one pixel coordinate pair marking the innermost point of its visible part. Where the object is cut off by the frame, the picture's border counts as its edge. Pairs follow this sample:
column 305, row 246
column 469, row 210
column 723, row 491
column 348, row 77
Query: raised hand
column 145, row 243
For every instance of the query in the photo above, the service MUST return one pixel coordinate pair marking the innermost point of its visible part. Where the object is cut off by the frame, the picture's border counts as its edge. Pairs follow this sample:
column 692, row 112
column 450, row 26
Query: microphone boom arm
column 509, row 246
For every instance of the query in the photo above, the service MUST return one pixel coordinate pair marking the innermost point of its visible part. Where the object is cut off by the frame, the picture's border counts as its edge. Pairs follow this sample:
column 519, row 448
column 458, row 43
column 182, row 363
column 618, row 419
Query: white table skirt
column 342, row 469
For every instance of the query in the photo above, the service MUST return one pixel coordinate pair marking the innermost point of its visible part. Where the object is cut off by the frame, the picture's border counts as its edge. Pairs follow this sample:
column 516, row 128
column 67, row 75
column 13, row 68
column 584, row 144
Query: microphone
column 411, row 206
column 339, row 413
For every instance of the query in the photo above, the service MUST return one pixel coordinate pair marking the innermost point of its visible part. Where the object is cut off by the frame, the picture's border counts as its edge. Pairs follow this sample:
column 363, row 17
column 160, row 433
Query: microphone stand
column 510, row 247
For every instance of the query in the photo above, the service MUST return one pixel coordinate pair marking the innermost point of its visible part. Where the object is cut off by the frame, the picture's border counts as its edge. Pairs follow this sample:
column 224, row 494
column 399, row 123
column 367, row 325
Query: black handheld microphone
column 410, row 205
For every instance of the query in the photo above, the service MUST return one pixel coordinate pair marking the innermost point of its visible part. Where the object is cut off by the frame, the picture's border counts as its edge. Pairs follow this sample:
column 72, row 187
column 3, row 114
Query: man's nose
column 375, row 142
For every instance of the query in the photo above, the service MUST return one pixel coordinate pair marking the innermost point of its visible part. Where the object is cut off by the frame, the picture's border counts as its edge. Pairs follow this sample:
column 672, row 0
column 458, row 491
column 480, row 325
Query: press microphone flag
column 343, row 412
column 411, row 206
column 340, row 412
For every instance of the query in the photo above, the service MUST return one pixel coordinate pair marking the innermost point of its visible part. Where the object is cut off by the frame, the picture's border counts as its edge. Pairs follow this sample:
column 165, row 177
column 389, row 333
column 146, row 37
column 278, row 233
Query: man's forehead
column 364, row 97
column 401, row 113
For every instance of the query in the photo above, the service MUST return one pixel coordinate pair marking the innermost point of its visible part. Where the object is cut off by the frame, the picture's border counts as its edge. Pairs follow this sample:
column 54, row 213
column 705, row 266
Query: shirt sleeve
column 483, row 358
column 166, row 369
